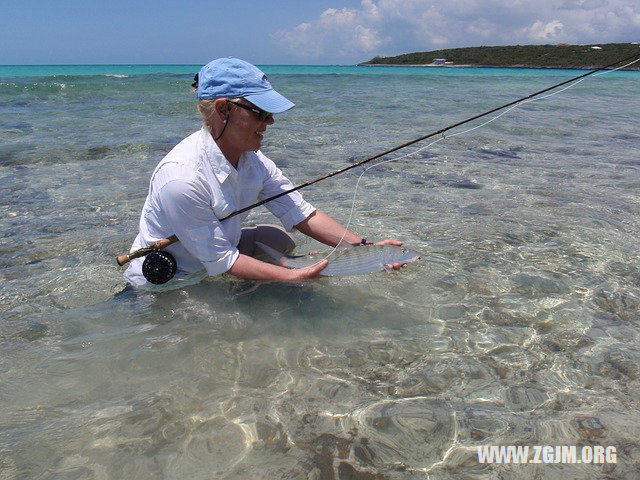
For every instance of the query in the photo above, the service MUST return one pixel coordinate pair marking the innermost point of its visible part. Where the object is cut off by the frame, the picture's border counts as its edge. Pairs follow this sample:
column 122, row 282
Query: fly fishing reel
column 159, row 267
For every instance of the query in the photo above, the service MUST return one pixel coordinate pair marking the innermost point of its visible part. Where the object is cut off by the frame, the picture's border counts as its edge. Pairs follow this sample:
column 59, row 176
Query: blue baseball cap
column 232, row 78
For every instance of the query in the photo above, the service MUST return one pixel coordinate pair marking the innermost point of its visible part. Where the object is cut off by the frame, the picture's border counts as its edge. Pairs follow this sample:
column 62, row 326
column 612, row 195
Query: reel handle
column 159, row 245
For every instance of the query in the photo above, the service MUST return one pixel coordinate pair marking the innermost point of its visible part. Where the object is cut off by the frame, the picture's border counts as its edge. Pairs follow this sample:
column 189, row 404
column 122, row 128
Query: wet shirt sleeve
column 291, row 209
column 189, row 213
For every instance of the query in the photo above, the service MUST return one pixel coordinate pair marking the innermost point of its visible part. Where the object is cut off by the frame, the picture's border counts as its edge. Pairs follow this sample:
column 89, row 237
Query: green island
column 518, row 56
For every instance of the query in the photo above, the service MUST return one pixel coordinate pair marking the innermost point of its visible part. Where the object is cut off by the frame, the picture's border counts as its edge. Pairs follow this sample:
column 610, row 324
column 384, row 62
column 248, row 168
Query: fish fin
column 277, row 256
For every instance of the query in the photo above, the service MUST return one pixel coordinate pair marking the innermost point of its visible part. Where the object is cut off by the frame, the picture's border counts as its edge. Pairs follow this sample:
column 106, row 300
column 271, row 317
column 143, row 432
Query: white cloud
column 366, row 39
column 370, row 10
column 340, row 33
column 544, row 32
column 387, row 27
column 333, row 18
column 481, row 28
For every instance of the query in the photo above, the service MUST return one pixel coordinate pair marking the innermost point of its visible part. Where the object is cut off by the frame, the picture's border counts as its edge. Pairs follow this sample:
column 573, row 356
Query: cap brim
column 270, row 101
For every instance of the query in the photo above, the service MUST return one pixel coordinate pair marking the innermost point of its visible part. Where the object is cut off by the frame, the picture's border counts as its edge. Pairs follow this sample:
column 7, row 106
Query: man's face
column 245, row 127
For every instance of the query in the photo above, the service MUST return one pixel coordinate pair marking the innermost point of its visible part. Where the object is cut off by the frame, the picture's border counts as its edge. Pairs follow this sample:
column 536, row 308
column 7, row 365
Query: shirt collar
column 220, row 165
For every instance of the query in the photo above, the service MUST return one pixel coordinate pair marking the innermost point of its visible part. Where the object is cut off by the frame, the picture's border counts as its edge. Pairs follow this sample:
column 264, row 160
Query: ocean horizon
column 155, row 69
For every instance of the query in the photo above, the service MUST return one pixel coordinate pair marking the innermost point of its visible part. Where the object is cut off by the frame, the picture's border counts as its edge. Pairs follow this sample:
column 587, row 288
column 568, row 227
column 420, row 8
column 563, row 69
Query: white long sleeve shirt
column 192, row 188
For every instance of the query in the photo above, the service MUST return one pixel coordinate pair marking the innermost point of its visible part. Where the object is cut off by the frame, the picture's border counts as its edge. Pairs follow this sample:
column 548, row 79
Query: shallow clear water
column 519, row 326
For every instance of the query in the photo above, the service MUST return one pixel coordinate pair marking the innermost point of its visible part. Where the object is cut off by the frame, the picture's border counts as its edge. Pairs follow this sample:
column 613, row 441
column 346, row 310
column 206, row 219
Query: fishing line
column 527, row 100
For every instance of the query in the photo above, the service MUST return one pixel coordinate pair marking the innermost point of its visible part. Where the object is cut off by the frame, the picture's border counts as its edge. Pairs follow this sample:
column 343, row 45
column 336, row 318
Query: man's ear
column 222, row 108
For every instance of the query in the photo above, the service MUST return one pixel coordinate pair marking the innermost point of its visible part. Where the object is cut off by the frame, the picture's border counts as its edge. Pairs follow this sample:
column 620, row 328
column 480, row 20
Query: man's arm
column 323, row 228
column 249, row 267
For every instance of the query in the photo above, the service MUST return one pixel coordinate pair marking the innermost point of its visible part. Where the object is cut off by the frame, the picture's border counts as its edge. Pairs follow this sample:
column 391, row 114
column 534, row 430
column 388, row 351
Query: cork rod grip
column 159, row 245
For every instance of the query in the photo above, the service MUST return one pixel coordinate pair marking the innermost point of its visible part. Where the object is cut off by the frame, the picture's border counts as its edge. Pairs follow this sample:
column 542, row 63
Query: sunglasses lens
column 263, row 115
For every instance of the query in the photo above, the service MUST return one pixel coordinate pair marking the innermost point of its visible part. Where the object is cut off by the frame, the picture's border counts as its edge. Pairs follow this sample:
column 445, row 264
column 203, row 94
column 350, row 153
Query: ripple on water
column 619, row 303
column 214, row 445
column 402, row 435
column 415, row 432
column 442, row 374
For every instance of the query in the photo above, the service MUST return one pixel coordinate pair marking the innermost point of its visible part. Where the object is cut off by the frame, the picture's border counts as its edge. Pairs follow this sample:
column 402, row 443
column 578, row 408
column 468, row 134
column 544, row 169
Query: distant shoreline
column 434, row 65
column 412, row 65
column 561, row 56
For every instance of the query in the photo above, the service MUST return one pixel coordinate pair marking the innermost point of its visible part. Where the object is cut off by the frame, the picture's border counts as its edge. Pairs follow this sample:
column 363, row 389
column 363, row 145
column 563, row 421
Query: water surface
column 519, row 326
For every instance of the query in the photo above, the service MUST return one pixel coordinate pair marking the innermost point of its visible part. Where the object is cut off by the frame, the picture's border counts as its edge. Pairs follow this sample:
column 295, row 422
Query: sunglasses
column 263, row 115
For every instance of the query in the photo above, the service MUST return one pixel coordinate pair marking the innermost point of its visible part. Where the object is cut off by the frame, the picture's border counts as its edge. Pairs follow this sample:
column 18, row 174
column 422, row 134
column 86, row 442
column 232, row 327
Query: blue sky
column 294, row 31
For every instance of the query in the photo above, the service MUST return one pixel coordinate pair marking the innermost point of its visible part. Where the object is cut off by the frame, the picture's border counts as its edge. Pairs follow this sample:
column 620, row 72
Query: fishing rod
column 158, row 263
column 420, row 139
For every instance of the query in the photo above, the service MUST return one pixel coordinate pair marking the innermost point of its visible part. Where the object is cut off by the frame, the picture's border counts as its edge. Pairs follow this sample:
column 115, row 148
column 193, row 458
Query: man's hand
column 313, row 271
column 389, row 241
column 397, row 243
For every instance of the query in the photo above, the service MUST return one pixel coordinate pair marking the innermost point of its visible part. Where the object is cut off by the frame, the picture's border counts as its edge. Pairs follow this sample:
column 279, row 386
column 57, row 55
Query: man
column 219, row 170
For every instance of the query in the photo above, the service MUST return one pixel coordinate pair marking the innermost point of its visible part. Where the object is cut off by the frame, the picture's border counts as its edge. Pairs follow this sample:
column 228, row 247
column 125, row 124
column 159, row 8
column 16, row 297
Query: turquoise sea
column 519, row 326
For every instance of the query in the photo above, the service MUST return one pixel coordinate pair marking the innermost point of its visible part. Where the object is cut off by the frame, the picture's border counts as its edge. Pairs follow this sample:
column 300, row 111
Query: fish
column 353, row 260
